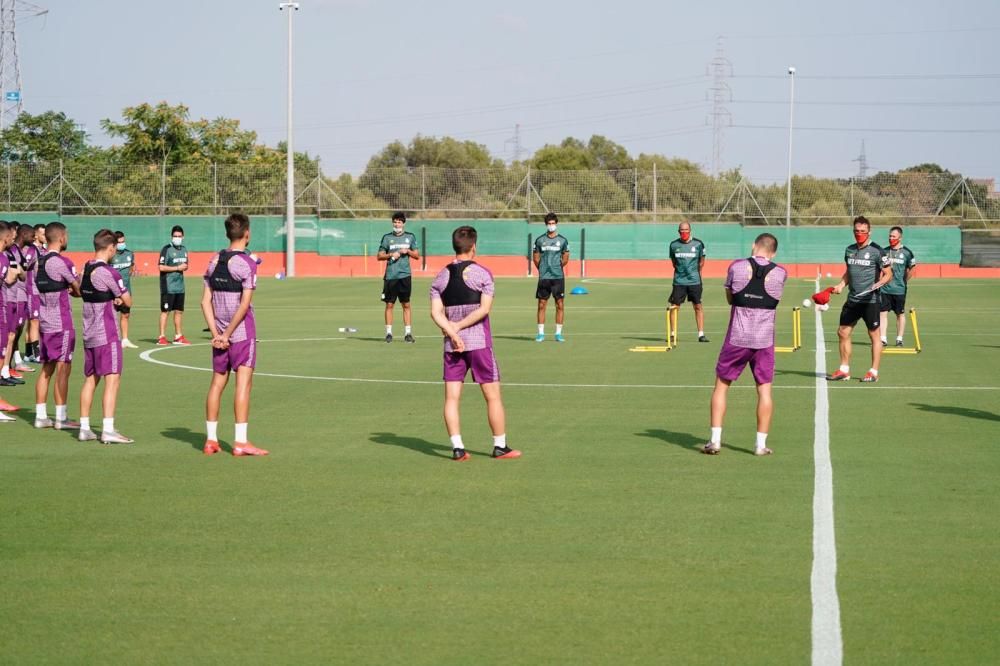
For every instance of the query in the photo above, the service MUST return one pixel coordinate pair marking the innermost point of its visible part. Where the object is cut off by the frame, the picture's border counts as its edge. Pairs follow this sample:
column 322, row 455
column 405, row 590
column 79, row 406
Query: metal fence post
column 583, row 252
column 215, row 188
column 60, row 204
column 654, row 191
column 635, row 190
column 423, row 188
column 10, row 187
column 852, row 198
column 319, row 190
column 423, row 248
column 527, row 195
column 163, row 188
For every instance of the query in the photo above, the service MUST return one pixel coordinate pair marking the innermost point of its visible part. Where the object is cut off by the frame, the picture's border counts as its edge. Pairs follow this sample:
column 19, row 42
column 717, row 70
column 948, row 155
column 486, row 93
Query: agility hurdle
column 915, row 349
column 796, row 332
column 671, row 337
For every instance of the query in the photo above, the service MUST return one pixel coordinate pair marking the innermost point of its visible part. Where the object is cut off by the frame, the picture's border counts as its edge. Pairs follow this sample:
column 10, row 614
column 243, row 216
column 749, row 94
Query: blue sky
column 370, row 71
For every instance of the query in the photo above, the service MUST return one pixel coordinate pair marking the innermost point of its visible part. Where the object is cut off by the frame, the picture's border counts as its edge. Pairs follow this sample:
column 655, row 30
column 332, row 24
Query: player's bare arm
column 477, row 315
column 565, row 259
column 447, row 326
column 74, row 290
column 536, row 258
column 241, row 312
column 383, row 255
column 209, row 312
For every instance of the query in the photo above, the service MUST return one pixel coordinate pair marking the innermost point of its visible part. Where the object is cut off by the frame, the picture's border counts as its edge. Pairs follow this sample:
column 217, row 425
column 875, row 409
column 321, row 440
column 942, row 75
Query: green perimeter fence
column 636, row 240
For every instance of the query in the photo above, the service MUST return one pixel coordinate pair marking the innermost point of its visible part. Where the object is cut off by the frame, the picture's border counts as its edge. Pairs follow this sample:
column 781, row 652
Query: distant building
column 991, row 186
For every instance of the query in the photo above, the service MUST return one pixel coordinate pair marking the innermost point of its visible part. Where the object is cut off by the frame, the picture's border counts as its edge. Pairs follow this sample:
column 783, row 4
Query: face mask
column 120, row 246
column 861, row 237
column 893, row 242
column 685, row 236
column 550, row 227
column 398, row 230
column 177, row 241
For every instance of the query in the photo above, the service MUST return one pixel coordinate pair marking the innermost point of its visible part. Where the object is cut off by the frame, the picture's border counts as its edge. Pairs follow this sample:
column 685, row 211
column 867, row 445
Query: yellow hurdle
column 671, row 337
column 796, row 333
column 915, row 349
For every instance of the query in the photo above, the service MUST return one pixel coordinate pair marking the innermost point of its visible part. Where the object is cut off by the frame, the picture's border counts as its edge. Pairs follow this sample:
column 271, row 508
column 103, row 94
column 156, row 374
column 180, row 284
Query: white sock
column 241, row 433
column 500, row 441
column 874, row 372
column 62, row 414
column 5, row 371
column 558, row 329
column 40, row 411
column 84, row 423
column 899, row 338
column 846, row 369
column 541, row 329
column 761, row 440
column 884, row 341
column 212, row 430
column 388, row 329
column 717, row 435
column 701, row 333
column 456, row 442
column 407, row 330
column 109, row 424
column 17, row 358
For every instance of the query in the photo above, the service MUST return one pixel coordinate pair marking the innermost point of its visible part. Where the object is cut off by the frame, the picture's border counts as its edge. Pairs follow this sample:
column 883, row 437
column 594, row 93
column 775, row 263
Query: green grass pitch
column 611, row 541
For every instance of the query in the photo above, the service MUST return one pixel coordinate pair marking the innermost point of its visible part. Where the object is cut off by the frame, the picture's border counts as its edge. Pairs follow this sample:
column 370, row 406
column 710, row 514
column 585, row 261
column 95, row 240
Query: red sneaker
column 7, row 407
column 24, row 368
column 162, row 340
column 505, row 452
column 869, row 378
column 211, row 447
column 15, row 374
column 838, row 376
column 248, row 449
column 181, row 340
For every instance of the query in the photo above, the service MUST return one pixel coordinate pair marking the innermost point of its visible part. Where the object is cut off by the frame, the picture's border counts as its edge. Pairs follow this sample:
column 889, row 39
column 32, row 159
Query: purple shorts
column 239, row 354
column 733, row 359
column 481, row 361
column 12, row 313
column 103, row 360
column 57, row 347
column 22, row 312
column 34, row 306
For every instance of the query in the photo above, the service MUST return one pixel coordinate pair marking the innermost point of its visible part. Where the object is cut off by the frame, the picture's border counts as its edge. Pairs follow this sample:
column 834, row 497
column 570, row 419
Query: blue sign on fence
column 12, row 96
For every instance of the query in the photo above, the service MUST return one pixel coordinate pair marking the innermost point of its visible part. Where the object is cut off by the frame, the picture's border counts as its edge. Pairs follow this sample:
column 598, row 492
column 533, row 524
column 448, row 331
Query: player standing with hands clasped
column 688, row 257
column 230, row 280
column 753, row 288
column 173, row 263
column 461, row 298
column 867, row 271
column 903, row 265
column 550, row 258
column 396, row 249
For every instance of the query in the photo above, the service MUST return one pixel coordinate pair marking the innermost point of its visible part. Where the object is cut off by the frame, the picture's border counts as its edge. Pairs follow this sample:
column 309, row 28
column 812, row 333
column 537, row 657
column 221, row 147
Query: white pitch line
column 827, row 642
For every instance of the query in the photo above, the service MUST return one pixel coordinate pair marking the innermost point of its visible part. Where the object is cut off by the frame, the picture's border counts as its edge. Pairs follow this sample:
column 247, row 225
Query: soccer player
column 688, row 257
column 56, row 281
column 867, row 271
column 173, row 263
column 903, row 265
column 396, row 250
column 230, row 280
column 8, row 275
column 550, row 258
column 124, row 262
column 32, row 353
column 13, row 310
column 753, row 289
column 102, row 290
column 461, row 298
column 23, row 289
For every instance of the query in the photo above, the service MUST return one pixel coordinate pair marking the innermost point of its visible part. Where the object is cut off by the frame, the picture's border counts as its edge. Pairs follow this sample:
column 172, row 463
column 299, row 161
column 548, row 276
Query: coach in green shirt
column 688, row 257
column 173, row 263
column 893, row 294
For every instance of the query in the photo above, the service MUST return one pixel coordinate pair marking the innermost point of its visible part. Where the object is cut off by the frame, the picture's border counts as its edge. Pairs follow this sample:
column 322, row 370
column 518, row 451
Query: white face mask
column 121, row 246
column 397, row 229
column 177, row 241
column 550, row 227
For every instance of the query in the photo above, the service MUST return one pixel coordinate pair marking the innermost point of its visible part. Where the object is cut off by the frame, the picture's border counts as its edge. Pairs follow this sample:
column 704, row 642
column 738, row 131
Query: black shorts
column 681, row 291
column 894, row 302
column 554, row 288
column 170, row 302
column 852, row 312
column 393, row 289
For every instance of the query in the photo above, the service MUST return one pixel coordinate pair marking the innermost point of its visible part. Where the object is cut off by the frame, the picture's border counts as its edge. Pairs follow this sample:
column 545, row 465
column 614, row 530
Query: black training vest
column 45, row 284
column 754, row 295
column 457, row 292
column 15, row 260
column 87, row 291
column 221, row 279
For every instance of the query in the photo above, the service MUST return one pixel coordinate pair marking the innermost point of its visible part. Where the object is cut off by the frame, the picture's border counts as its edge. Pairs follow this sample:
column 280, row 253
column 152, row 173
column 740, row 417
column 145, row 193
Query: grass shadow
column 187, row 436
column 964, row 412
column 685, row 440
column 521, row 338
column 416, row 444
column 801, row 373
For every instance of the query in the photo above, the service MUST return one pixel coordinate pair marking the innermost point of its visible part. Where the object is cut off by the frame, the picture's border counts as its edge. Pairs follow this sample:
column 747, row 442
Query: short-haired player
column 123, row 261
column 687, row 254
column 903, row 265
column 550, row 256
column 397, row 249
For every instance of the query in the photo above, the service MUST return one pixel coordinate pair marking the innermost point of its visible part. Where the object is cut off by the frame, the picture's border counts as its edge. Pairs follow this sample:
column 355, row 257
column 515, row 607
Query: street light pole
column 791, row 116
column 290, row 157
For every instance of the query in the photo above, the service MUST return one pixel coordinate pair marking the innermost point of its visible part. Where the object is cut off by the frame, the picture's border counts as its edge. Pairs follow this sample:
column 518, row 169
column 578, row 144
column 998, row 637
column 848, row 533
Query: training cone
column 579, row 291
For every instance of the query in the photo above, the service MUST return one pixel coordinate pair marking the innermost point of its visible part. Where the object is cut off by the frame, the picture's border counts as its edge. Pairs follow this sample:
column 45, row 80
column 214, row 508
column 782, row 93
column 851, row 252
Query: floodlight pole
column 791, row 116
column 289, row 157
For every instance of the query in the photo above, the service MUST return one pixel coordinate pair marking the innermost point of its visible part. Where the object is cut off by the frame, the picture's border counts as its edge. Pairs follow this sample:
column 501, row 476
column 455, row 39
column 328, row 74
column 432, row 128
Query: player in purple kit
column 461, row 298
column 753, row 288
column 7, row 276
column 230, row 280
column 33, row 355
column 102, row 290
column 56, row 281
column 14, row 310
column 23, row 289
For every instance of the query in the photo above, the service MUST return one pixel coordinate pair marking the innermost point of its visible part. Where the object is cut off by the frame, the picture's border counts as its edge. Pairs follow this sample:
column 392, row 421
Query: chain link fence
column 515, row 192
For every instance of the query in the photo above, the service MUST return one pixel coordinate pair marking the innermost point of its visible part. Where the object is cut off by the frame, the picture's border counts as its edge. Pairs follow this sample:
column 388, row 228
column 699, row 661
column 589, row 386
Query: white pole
column 289, row 158
column 791, row 116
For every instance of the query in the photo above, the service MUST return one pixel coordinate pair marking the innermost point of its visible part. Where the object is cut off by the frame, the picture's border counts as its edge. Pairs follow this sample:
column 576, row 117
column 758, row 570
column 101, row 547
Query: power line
column 916, row 104
column 895, row 130
column 876, row 77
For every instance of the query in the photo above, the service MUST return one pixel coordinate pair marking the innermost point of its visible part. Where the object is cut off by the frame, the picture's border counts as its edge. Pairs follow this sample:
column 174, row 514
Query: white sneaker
column 711, row 449
column 44, row 423
column 884, row 342
column 762, row 451
column 115, row 437
column 87, row 435
column 128, row 344
column 6, row 419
